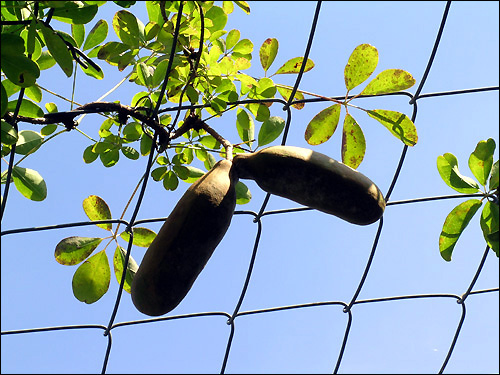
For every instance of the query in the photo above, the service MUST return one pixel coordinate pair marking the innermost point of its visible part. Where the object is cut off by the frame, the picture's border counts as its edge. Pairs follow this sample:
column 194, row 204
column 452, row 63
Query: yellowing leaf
column 268, row 52
column 293, row 66
column 91, row 279
column 360, row 66
column 353, row 143
column 323, row 125
column 390, row 80
column 119, row 262
column 97, row 209
column 398, row 124
column 142, row 236
column 73, row 250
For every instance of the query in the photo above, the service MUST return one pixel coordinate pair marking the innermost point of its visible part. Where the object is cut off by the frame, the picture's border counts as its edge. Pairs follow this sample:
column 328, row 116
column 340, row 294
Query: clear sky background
column 302, row 257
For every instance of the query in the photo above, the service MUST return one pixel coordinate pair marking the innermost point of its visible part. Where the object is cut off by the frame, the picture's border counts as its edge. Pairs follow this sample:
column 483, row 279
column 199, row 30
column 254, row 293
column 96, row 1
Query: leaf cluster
column 91, row 279
column 360, row 66
column 486, row 172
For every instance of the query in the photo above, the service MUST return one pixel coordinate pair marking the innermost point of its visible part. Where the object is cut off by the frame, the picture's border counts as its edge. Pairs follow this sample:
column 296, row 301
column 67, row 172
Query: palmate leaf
column 91, row 279
column 353, row 143
column 323, row 125
column 493, row 184
column 481, row 160
column 455, row 223
column 398, row 124
column 97, row 209
column 447, row 165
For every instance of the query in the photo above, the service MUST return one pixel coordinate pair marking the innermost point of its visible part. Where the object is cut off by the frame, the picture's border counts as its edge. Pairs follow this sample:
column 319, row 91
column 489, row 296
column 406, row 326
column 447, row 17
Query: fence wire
column 257, row 216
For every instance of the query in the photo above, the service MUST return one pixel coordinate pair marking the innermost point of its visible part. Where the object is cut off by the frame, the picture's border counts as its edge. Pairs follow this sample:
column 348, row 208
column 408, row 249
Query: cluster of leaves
column 91, row 279
column 486, row 172
column 360, row 66
column 34, row 46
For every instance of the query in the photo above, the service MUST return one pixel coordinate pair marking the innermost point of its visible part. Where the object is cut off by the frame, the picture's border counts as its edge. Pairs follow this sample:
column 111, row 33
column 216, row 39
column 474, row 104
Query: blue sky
column 302, row 257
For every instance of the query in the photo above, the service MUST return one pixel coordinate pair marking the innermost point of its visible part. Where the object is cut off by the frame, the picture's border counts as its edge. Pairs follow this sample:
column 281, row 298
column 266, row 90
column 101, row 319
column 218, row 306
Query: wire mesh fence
column 347, row 308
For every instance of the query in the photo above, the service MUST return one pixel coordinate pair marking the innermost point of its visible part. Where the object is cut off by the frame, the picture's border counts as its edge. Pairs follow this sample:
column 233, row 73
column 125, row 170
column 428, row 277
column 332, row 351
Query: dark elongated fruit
column 185, row 242
column 315, row 180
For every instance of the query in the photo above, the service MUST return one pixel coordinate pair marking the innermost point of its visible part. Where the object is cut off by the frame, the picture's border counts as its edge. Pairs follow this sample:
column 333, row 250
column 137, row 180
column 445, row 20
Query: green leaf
column 455, row 223
column 34, row 93
column 159, row 173
column 78, row 33
column 28, row 108
column 130, row 152
column 89, row 155
column 244, row 6
column 171, row 181
column 323, row 125
column 232, row 38
column 245, row 126
column 265, row 88
column 218, row 17
column 97, row 209
column 118, row 264
column 45, row 61
column 268, row 52
column 243, row 195
column 360, row 66
column 293, row 66
column 75, row 12
column 28, row 141
column 73, row 250
column 97, row 35
column 260, row 111
column 29, row 183
column 17, row 67
column 270, row 130
column 91, row 279
column 132, row 131
column 145, row 74
column 58, row 50
column 481, row 160
column 142, row 236
column 244, row 46
column 447, row 165
column 493, row 184
column 390, row 80
column 490, row 222
column 146, row 144
column 48, row 129
column 193, row 174
column 9, row 134
column 353, row 143
column 110, row 157
column 4, row 98
column 398, row 124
